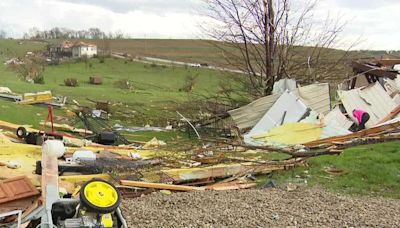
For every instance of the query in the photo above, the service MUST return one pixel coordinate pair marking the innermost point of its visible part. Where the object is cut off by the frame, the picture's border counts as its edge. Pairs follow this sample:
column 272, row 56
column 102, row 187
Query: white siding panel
column 373, row 99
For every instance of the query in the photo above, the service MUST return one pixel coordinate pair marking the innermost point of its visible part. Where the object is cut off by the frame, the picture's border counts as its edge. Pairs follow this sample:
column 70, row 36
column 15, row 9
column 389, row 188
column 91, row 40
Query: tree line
column 66, row 33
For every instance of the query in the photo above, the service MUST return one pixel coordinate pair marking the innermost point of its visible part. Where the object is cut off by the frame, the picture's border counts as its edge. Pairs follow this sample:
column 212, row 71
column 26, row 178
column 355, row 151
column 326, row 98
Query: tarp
column 315, row 96
column 373, row 99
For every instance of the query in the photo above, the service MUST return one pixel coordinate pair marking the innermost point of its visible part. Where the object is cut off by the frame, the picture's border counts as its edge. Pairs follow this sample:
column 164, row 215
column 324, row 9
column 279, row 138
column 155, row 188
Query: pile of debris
column 44, row 97
column 66, row 180
column 306, row 117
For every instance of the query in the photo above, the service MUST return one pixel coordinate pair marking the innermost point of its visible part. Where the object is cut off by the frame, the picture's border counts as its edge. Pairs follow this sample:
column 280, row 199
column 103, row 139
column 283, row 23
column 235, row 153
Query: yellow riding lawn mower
column 96, row 205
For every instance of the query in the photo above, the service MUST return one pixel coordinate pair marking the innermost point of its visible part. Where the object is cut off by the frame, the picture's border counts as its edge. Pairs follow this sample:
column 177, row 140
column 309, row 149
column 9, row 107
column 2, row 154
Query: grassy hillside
column 153, row 98
column 365, row 170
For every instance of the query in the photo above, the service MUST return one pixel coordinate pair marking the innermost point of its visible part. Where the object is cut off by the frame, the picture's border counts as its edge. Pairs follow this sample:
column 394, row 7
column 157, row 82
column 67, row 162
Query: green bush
column 71, row 82
column 38, row 79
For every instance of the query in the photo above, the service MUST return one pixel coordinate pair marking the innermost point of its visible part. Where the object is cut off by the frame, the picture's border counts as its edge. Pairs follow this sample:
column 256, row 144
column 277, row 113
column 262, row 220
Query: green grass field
column 366, row 170
column 153, row 100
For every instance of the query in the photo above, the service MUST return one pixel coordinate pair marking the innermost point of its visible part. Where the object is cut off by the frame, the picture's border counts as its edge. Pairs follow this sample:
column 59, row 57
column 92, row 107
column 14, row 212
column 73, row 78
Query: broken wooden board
column 173, row 187
column 13, row 127
column 233, row 185
column 66, row 127
column 216, row 171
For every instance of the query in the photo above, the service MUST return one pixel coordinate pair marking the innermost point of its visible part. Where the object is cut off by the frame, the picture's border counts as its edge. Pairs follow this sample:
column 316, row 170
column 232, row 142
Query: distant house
column 61, row 50
column 81, row 49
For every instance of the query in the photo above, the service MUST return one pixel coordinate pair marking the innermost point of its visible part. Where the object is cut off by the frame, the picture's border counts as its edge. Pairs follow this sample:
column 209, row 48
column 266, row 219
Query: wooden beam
column 173, row 187
column 234, row 185
column 371, row 70
column 66, row 127
column 388, row 62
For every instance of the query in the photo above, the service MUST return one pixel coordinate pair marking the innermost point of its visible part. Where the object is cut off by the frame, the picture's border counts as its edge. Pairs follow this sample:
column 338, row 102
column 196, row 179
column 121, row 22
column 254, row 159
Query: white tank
column 84, row 155
column 53, row 148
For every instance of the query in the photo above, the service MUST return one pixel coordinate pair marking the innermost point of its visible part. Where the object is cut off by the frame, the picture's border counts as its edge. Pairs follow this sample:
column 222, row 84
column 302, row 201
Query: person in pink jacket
column 362, row 118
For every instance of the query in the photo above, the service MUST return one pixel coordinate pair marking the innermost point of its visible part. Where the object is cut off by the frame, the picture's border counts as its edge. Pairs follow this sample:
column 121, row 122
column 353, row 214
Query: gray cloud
column 155, row 6
column 364, row 4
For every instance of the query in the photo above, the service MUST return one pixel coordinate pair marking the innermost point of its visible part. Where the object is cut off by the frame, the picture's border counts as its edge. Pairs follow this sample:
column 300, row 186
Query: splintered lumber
column 234, row 185
column 359, row 134
column 13, row 127
column 217, row 171
column 173, row 187
column 294, row 153
column 66, row 127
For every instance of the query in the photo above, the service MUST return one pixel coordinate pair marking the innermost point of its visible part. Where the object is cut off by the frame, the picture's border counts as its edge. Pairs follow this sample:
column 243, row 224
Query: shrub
column 190, row 82
column 102, row 59
column 71, row 82
column 123, row 84
column 31, row 70
column 38, row 79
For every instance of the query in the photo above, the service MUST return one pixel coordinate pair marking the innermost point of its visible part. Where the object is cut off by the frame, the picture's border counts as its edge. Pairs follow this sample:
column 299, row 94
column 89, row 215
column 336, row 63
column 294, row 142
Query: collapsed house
column 302, row 114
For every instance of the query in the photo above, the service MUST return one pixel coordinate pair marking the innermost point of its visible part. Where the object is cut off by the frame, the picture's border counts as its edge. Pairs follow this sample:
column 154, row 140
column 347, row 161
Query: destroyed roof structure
column 366, row 72
column 316, row 96
column 305, row 114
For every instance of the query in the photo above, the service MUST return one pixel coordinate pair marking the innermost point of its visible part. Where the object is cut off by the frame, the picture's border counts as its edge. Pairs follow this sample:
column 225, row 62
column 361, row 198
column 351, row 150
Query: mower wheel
column 100, row 196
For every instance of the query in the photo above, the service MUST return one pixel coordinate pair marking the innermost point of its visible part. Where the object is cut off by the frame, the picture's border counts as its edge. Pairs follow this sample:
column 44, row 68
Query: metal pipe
column 119, row 214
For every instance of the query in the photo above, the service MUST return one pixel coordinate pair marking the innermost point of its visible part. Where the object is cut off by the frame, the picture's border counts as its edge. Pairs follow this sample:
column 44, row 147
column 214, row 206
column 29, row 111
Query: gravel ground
column 306, row 207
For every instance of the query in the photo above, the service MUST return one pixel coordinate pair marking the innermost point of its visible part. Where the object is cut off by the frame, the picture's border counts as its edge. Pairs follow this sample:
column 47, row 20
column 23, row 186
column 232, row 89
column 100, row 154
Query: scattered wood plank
column 234, row 185
column 142, row 184
column 66, row 127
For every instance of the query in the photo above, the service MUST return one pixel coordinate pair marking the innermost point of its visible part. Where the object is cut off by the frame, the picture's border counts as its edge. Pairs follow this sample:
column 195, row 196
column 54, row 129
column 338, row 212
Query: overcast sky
column 375, row 21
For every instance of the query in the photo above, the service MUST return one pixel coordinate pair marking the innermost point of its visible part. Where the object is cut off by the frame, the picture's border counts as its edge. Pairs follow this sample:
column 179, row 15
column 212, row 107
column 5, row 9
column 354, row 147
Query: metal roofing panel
column 316, row 96
column 373, row 99
column 287, row 109
column 248, row 115
column 337, row 119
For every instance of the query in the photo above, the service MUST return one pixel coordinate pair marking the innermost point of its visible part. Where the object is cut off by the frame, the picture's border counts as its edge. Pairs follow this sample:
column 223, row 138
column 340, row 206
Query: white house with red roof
column 81, row 49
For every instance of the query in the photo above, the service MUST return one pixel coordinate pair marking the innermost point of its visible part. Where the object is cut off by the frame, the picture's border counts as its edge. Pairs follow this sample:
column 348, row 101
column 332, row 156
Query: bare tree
column 273, row 39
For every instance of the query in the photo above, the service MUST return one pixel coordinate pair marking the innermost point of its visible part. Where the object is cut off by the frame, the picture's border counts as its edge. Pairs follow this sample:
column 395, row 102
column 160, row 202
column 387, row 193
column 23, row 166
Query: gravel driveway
column 306, row 207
